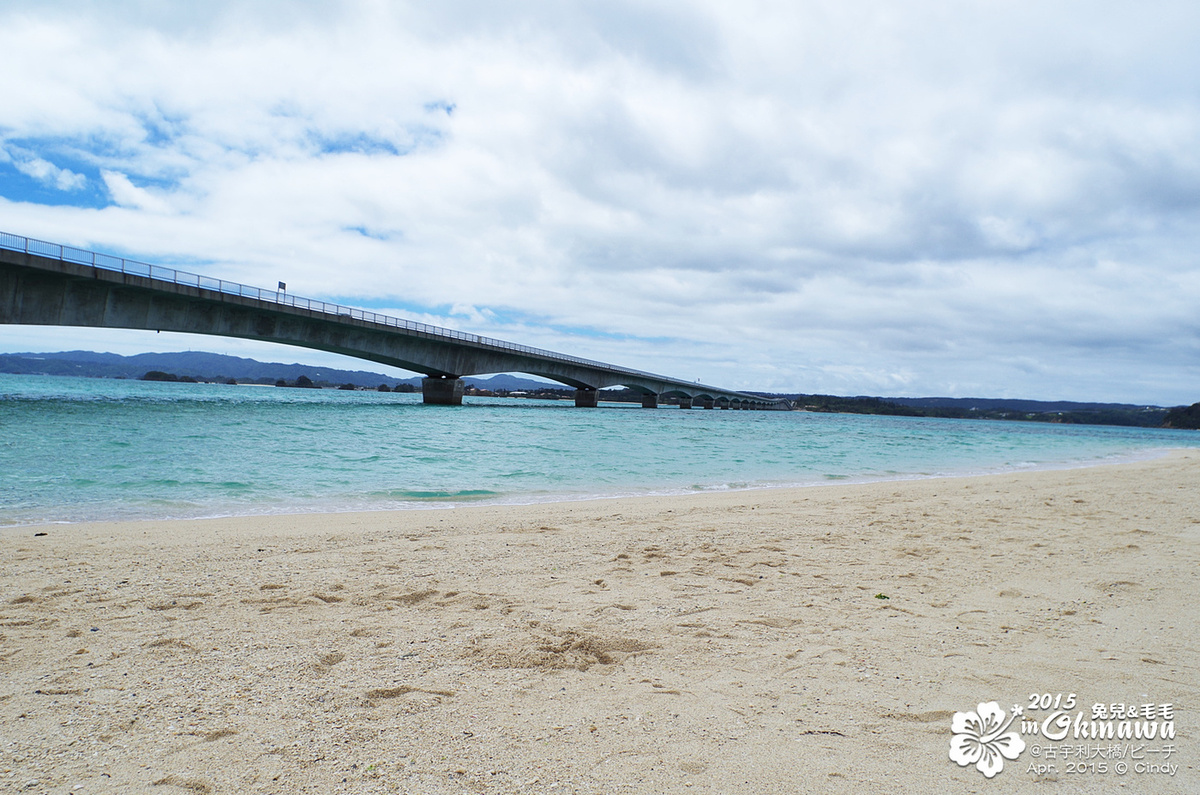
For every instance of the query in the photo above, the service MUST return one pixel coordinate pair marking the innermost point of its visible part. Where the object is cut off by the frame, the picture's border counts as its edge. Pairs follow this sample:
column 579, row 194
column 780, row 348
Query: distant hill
column 993, row 404
column 1064, row 412
column 1185, row 417
column 217, row 367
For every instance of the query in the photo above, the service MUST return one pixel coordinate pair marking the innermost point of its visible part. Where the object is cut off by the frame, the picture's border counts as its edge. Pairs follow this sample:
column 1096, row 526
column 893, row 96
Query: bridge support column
column 442, row 391
column 706, row 402
column 649, row 401
column 587, row 398
column 685, row 402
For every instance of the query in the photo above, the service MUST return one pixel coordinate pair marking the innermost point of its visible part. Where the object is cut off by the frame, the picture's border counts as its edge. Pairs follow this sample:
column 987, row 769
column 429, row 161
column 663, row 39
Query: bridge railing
column 133, row 267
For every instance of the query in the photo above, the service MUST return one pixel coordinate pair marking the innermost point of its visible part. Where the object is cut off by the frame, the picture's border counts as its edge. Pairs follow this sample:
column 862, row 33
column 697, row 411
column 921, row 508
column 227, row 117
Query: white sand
column 725, row 643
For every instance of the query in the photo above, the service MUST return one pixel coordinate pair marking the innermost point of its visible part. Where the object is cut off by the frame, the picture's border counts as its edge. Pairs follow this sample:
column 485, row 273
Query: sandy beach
column 801, row 640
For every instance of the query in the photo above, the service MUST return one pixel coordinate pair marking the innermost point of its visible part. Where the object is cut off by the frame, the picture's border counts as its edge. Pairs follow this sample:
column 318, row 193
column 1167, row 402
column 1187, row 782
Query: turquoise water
column 77, row 449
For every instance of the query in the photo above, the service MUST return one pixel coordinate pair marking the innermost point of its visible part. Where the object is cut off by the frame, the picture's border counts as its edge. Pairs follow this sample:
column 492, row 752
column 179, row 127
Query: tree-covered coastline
column 218, row 368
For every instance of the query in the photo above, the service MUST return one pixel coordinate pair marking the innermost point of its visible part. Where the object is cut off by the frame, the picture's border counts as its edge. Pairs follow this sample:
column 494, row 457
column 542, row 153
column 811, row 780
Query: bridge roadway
column 46, row 284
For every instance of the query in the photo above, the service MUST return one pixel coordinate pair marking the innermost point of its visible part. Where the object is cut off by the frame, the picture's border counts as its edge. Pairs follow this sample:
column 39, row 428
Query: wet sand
column 719, row 643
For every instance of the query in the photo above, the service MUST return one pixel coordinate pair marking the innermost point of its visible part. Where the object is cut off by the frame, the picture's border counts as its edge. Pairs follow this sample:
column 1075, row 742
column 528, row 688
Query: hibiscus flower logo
column 982, row 738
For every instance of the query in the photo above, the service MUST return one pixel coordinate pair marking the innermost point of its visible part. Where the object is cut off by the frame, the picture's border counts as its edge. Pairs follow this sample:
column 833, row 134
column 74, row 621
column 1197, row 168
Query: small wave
column 435, row 496
column 719, row 486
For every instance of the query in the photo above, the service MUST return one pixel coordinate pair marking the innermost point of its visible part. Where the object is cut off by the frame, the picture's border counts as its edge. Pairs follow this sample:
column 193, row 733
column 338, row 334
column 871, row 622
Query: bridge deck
column 50, row 284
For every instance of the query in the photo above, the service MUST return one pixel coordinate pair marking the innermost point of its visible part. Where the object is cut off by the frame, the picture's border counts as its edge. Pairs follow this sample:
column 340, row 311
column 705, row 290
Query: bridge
column 47, row 284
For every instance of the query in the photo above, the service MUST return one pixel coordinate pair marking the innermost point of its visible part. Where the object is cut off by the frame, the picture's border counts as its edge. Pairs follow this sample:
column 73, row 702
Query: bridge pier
column 442, row 391
column 587, row 398
column 43, row 283
column 685, row 402
column 649, row 401
column 706, row 402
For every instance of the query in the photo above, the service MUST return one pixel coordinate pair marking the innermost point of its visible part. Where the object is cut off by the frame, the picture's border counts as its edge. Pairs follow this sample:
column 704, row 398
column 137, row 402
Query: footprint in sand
column 176, row 604
column 170, row 643
column 194, row 784
column 213, row 736
column 403, row 690
column 547, row 649
column 413, row 597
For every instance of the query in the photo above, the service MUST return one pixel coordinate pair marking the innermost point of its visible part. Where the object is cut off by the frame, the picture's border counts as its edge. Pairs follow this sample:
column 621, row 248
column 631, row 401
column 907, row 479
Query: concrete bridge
column 46, row 284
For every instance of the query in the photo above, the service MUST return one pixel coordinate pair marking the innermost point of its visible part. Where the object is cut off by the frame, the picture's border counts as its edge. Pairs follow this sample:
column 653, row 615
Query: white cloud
column 126, row 194
column 50, row 174
column 824, row 196
column 43, row 171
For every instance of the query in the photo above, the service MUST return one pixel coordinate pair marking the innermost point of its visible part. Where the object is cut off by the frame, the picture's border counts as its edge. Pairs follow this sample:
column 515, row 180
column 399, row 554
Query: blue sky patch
column 357, row 143
column 374, row 234
column 60, row 172
column 39, row 180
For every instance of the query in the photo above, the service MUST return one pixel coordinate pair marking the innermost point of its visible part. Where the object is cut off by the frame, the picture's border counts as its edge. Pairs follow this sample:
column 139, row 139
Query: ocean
column 81, row 449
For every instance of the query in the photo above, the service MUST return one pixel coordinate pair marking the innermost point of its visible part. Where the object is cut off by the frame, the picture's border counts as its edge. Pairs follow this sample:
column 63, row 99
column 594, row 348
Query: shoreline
column 1149, row 454
column 806, row 639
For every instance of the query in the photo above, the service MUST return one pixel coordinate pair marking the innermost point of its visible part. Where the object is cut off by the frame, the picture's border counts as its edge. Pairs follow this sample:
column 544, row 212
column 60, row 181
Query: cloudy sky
column 850, row 197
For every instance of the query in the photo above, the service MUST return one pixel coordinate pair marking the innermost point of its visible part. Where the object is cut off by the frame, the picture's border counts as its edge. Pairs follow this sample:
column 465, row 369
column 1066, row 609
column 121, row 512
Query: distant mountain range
column 219, row 367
